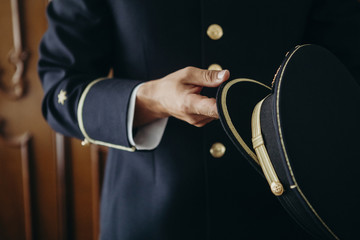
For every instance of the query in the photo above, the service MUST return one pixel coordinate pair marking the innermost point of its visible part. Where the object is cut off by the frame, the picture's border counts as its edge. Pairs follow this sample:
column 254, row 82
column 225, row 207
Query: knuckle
column 211, row 111
column 189, row 106
column 184, row 107
column 207, row 76
column 188, row 70
column 205, row 109
column 197, row 111
column 212, row 114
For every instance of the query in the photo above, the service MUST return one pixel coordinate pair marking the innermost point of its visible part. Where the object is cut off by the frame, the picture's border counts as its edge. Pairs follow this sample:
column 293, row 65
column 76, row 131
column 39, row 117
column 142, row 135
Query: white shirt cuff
column 148, row 136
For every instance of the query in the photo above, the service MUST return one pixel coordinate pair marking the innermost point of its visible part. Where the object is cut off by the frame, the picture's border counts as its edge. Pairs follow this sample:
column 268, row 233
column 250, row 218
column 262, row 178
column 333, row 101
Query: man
column 172, row 173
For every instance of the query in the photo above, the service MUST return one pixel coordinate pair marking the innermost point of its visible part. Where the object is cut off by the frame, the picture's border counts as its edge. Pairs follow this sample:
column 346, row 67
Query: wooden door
column 49, row 184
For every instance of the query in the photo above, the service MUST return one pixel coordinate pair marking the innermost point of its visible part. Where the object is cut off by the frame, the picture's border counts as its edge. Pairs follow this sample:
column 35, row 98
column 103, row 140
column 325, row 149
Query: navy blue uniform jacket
column 178, row 190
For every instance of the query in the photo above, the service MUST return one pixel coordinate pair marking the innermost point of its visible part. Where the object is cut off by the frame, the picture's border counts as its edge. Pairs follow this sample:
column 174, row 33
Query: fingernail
column 221, row 75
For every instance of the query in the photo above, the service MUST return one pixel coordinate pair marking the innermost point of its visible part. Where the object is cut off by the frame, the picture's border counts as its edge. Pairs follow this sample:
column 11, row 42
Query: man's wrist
column 147, row 107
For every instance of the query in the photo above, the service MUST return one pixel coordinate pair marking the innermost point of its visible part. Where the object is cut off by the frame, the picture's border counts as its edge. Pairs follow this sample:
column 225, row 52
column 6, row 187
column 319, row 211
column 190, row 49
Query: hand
column 178, row 95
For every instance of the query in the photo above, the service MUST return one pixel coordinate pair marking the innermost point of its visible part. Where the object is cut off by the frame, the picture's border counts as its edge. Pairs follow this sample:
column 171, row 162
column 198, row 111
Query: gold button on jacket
column 217, row 150
column 215, row 32
column 215, row 66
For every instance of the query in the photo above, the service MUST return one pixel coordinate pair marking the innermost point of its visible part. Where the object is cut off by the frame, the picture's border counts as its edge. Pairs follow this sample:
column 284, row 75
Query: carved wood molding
column 98, row 155
column 17, row 57
column 61, row 177
column 95, row 183
column 22, row 141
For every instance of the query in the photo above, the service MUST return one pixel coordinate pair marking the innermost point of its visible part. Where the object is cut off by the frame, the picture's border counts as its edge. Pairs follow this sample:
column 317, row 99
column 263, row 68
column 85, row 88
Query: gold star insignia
column 62, row 97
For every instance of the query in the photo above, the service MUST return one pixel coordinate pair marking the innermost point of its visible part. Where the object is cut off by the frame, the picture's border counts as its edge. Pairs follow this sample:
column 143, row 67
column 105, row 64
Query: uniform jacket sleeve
column 335, row 24
column 75, row 58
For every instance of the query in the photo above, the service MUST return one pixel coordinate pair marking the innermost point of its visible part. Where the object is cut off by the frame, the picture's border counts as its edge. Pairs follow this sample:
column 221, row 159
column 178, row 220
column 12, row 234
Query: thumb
column 208, row 78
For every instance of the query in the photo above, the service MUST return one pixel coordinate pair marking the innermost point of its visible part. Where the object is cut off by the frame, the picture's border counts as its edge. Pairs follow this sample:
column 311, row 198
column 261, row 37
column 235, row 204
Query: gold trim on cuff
column 81, row 122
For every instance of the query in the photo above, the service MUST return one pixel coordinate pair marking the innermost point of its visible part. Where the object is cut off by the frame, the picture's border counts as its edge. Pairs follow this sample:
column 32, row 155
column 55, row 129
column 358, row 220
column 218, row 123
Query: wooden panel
column 63, row 180
column 20, row 101
column 98, row 160
column 81, row 191
column 15, row 190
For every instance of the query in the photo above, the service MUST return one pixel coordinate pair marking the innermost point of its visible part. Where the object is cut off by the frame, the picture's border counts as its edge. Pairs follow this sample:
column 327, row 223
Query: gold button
column 215, row 66
column 217, row 150
column 215, row 32
column 277, row 188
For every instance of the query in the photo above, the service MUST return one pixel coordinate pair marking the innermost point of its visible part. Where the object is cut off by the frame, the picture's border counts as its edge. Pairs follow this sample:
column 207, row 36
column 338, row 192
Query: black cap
column 310, row 130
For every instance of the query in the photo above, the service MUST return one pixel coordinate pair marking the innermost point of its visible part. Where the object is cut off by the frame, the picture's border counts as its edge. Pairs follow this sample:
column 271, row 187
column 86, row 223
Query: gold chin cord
column 258, row 143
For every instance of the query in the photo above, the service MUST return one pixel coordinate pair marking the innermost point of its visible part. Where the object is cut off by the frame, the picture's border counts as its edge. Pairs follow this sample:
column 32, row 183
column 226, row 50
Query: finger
column 204, row 122
column 198, row 120
column 201, row 105
column 205, row 78
column 195, row 119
